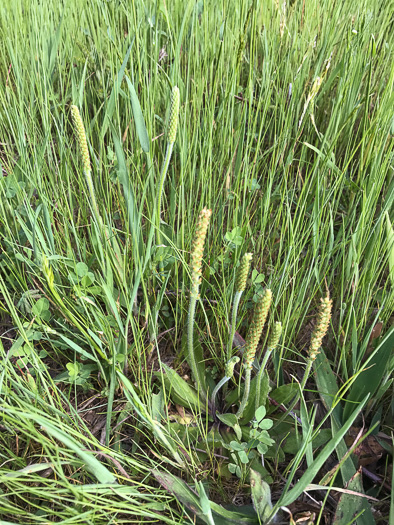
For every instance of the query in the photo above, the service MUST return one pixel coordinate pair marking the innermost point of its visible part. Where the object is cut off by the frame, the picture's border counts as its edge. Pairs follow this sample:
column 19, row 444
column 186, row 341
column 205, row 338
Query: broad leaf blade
column 326, row 384
column 350, row 505
column 179, row 390
column 261, row 495
column 191, row 501
column 182, row 492
column 314, row 468
column 368, row 381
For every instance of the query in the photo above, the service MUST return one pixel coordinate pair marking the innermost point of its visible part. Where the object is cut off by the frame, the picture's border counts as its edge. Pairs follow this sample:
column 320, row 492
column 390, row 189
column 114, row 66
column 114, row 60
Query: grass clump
column 138, row 388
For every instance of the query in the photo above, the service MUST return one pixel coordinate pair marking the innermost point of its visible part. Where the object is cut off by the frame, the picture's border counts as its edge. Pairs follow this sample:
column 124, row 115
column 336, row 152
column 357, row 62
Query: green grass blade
column 139, row 121
column 313, row 469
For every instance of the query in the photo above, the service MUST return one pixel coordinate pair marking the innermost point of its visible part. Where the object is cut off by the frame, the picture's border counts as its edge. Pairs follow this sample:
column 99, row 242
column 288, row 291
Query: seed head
column 323, row 321
column 243, row 270
column 230, row 366
column 198, row 249
column 256, row 327
column 81, row 136
column 274, row 336
column 174, row 115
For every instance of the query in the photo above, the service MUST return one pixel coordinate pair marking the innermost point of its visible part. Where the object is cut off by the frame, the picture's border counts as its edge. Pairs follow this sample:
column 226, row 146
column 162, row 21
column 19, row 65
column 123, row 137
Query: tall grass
column 299, row 173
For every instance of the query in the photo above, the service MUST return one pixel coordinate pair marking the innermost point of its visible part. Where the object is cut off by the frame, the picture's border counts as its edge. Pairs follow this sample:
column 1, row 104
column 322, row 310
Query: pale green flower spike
column 274, row 336
column 229, row 370
column 198, row 250
column 196, row 263
column 87, row 169
column 243, row 272
column 174, row 115
column 81, row 136
column 240, row 285
column 171, row 136
column 256, row 327
column 322, row 324
column 252, row 340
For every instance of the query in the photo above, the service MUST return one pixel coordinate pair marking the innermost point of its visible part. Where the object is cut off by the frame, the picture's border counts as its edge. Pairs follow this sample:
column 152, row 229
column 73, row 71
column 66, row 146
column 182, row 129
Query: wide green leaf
column 261, row 495
column 192, row 502
column 376, row 368
column 327, row 387
column 179, row 390
column 317, row 464
column 350, row 505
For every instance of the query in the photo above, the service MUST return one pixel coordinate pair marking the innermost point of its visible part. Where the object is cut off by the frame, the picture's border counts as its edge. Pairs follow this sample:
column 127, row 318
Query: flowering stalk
column 240, row 285
column 172, row 129
column 228, row 374
column 273, row 342
column 322, row 324
column 87, row 170
column 252, row 340
column 196, row 263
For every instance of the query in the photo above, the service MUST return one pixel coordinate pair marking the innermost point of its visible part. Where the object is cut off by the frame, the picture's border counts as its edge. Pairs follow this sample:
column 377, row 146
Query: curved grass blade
column 314, row 468
column 140, row 126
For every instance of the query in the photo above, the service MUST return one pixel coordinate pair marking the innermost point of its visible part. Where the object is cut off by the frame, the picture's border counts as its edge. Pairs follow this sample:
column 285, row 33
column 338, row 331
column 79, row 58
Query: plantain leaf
column 283, row 394
column 192, row 502
column 179, row 390
column 293, row 442
column 200, row 362
column 376, row 368
column 228, row 419
column 261, row 495
column 181, row 490
column 326, row 384
column 350, row 505
column 311, row 472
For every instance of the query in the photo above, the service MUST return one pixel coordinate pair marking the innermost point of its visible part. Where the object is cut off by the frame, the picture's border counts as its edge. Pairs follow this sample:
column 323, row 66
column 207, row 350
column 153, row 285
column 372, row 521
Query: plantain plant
column 235, row 406
column 237, row 418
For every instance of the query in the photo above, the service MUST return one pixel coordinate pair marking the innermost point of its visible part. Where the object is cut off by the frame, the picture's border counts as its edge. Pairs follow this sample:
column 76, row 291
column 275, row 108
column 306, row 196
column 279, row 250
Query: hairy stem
column 163, row 174
column 260, row 374
column 190, row 345
column 246, row 393
column 237, row 298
